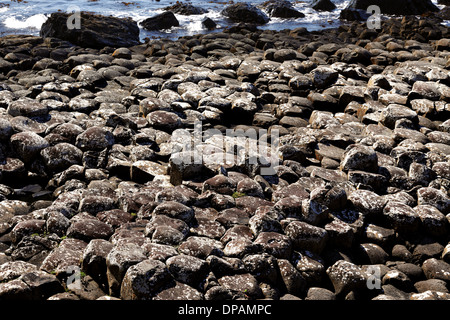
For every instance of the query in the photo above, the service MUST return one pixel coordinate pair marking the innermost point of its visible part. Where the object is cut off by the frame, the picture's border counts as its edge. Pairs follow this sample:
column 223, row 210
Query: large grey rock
column 243, row 283
column 188, row 269
column 65, row 259
column 14, row 269
column 90, row 229
column 306, row 237
column 118, row 260
column 143, row 280
column 94, row 259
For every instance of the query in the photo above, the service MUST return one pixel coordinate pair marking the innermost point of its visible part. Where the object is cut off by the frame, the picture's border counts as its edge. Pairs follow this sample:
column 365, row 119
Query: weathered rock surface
column 108, row 186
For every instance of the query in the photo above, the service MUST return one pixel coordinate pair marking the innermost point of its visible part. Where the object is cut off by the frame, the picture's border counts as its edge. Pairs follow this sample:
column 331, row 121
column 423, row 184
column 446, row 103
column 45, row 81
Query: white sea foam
column 33, row 22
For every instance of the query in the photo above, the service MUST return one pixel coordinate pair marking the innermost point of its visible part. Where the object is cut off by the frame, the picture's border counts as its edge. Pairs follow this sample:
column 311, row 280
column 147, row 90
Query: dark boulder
column 243, row 12
column 96, row 31
column 165, row 20
column 323, row 5
column 281, row 9
column 185, row 9
column 397, row 7
column 350, row 14
column 209, row 24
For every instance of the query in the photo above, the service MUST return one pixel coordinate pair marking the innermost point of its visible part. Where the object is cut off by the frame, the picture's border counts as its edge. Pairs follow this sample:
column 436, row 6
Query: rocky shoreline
column 94, row 207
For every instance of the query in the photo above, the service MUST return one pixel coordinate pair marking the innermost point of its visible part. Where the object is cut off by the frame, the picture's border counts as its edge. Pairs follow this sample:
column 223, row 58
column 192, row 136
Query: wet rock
column 397, row 7
column 243, row 12
column 185, row 9
column 165, row 20
column 97, row 32
column 323, row 5
column 281, row 9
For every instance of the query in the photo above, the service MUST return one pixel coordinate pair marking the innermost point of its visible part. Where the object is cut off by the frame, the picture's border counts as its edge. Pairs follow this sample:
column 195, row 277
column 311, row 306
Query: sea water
column 27, row 16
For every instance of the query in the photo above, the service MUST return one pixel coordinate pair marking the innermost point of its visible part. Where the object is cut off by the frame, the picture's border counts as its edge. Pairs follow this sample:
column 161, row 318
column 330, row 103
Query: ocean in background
column 27, row 16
